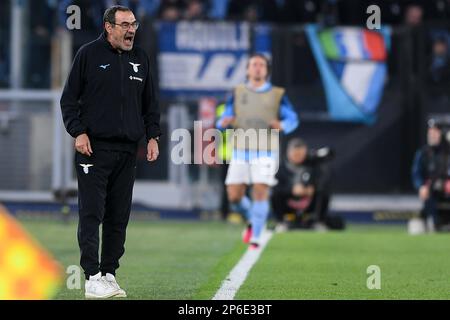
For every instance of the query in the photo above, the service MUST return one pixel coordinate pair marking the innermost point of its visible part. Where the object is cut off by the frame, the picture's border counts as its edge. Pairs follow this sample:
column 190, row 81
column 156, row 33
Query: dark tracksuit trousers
column 104, row 197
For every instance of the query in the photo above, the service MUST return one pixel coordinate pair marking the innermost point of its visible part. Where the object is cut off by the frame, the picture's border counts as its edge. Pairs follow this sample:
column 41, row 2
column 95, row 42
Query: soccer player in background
column 257, row 105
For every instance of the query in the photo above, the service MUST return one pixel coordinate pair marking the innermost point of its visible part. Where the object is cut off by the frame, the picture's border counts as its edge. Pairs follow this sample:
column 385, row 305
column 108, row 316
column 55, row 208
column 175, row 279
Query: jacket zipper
column 122, row 89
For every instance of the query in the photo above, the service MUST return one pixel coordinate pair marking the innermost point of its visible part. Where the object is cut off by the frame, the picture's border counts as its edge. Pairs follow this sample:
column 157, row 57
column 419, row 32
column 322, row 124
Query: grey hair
column 110, row 13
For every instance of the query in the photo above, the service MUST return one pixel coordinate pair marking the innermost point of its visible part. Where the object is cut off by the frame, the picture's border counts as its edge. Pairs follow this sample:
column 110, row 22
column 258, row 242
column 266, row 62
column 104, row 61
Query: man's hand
column 83, row 145
column 152, row 150
column 424, row 193
column 298, row 190
column 275, row 124
column 226, row 121
column 309, row 191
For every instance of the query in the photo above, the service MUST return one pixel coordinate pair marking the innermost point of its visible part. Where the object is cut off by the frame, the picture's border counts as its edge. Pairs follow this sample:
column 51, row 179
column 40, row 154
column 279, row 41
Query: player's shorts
column 259, row 170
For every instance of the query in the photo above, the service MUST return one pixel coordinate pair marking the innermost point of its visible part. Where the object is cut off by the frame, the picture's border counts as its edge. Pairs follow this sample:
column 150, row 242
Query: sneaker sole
column 121, row 295
column 92, row 296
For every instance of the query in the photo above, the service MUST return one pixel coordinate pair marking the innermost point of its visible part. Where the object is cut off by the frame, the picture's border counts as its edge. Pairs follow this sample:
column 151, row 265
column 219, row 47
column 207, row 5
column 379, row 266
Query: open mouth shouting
column 128, row 40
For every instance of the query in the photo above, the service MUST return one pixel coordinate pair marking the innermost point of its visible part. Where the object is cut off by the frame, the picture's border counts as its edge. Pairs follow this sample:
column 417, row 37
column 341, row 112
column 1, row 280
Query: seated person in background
column 303, row 186
column 431, row 178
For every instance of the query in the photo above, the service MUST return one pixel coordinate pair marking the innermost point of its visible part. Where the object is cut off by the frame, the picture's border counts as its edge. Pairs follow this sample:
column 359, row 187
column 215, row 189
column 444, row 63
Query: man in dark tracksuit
column 108, row 104
column 431, row 178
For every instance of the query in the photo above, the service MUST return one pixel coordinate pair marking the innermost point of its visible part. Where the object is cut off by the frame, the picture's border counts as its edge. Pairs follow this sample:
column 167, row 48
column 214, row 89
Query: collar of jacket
column 107, row 44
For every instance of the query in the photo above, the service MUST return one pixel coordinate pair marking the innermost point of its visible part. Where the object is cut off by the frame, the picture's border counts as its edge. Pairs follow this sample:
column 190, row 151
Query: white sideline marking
column 239, row 273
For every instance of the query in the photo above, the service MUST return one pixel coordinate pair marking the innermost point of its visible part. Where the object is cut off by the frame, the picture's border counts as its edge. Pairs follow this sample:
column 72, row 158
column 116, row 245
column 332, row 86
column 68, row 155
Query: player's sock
column 258, row 217
column 247, row 234
column 242, row 206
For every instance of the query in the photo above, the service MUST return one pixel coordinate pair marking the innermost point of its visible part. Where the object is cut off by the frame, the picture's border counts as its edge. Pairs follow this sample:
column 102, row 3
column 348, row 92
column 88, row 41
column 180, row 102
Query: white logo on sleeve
column 135, row 66
column 104, row 66
column 86, row 167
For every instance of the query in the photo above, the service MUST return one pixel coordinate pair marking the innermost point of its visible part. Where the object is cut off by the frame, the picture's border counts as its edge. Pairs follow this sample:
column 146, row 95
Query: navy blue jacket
column 430, row 163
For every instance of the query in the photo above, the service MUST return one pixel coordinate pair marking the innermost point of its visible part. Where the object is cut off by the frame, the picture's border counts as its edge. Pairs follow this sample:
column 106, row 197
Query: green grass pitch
column 189, row 260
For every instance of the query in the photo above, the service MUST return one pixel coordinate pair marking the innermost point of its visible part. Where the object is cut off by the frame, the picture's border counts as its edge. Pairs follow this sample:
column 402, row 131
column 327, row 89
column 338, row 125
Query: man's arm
column 289, row 119
column 150, row 108
column 284, row 185
column 417, row 170
column 151, row 115
column 223, row 122
column 70, row 108
column 418, row 176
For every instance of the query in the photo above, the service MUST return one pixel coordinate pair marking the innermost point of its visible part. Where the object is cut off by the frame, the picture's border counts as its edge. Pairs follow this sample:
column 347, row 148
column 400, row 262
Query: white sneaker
column 111, row 280
column 98, row 288
column 281, row 227
column 320, row 227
